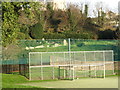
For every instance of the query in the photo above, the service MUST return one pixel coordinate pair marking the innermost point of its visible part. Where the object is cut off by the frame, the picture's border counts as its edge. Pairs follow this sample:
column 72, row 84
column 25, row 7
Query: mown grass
column 81, row 45
column 101, row 42
column 74, row 48
column 51, row 49
column 14, row 81
column 11, row 81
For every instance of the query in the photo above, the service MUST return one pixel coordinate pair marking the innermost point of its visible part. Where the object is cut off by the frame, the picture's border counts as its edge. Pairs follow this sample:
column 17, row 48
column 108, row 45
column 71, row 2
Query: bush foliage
column 36, row 31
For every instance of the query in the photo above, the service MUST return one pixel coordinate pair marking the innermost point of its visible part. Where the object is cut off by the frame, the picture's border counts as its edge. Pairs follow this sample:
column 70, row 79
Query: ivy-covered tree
column 10, row 25
column 13, row 21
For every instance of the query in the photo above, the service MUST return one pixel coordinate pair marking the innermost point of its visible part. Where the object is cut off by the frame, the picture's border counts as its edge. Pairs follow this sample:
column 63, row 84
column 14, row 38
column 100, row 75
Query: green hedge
column 53, row 36
column 85, row 35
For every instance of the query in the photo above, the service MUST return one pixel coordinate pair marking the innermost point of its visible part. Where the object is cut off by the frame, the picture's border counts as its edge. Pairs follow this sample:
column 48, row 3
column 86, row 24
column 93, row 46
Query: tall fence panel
column 70, row 65
column 15, row 58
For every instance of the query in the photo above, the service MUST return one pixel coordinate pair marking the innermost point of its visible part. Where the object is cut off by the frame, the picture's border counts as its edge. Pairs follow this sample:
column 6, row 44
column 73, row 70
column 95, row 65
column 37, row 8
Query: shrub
column 80, row 44
column 36, row 31
column 83, row 35
column 20, row 35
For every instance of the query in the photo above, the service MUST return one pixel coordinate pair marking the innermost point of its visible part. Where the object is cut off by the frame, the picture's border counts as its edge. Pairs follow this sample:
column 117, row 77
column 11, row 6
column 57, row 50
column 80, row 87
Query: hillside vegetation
column 28, row 20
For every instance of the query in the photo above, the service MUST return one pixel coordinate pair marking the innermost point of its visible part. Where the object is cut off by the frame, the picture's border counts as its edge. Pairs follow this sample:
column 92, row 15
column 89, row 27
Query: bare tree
column 74, row 16
column 100, row 13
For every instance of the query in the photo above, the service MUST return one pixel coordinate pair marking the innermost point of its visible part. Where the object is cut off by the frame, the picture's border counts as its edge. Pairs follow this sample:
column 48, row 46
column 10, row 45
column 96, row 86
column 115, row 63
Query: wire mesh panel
column 87, row 60
column 70, row 65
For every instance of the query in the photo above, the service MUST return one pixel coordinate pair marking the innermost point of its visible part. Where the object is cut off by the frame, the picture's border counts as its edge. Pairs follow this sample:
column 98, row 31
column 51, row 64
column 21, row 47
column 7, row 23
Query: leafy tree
column 37, row 10
column 30, row 15
column 10, row 25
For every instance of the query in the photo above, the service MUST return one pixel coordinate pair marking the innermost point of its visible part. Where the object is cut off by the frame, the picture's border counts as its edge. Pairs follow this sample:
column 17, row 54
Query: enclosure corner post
column 104, row 62
column 113, row 62
column 68, row 44
column 41, row 63
column 29, row 67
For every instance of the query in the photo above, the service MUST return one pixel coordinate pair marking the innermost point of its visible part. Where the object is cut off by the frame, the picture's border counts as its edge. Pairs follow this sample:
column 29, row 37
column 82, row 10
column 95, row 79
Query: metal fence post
column 68, row 44
column 104, row 63
column 29, row 68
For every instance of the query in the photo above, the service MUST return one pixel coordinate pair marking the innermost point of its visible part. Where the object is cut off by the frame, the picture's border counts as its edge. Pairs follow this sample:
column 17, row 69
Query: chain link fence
column 15, row 57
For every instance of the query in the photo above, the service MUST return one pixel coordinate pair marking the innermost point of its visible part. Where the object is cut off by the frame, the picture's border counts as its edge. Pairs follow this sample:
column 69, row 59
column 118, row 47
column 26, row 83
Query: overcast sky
column 107, row 4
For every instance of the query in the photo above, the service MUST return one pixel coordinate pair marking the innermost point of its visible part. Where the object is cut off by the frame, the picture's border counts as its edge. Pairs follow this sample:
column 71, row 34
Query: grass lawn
column 11, row 81
column 88, row 45
column 14, row 81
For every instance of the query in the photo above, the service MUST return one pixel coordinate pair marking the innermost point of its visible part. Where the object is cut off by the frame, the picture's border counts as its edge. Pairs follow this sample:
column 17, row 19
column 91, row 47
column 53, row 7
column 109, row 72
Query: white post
column 104, row 62
column 64, row 64
column 74, row 66
column 29, row 68
column 95, row 62
column 59, row 72
column 68, row 44
column 53, row 73
column 69, row 57
column 73, row 73
column 95, row 71
column 85, row 56
column 41, row 68
column 70, row 64
column 113, row 61
column 51, row 60
column 85, row 62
